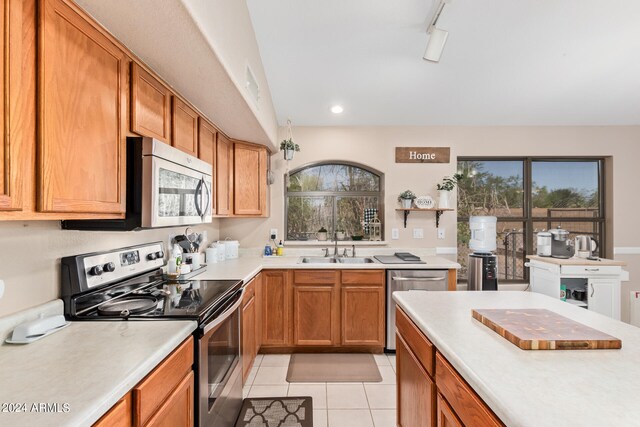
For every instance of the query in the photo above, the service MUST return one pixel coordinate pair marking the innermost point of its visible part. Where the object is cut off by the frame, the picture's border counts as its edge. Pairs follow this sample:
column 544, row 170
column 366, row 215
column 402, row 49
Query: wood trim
column 139, row 74
column 119, row 415
column 418, row 343
column 154, row 389
column 452, row 284
column 463, row 399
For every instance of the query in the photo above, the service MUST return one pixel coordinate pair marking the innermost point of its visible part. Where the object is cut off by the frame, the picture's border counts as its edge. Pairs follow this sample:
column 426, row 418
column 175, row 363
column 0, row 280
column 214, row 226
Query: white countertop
column 533, row 388
column 577, row 261
column 88, row 365
column 247, row 266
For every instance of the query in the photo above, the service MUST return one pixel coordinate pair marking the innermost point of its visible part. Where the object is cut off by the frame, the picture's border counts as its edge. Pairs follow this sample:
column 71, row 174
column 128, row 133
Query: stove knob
column 159, row 254
column 152, row 256
column 109, row 267
column 96, row 270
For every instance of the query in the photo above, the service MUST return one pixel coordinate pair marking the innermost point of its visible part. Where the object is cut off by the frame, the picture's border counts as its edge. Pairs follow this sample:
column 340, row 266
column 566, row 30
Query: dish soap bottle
column 280, row 249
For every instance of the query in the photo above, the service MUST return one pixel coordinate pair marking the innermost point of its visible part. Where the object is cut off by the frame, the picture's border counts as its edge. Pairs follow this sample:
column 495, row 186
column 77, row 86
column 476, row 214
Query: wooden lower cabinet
column 276, row 303
column 165, row 397
column 416, row 390
column 363, row 308
column 316, row 307
column 451, row 401
column 445, row 415
column 119, row 415
column 248, row 346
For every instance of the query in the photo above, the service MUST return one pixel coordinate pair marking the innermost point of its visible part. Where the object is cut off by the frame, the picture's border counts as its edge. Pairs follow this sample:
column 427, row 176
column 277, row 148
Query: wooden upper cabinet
column 224, row 175
column 249, row 179
column 82, row 114
column 184, row 127
column 207, row 135
column 150, row 105
column 17, row 115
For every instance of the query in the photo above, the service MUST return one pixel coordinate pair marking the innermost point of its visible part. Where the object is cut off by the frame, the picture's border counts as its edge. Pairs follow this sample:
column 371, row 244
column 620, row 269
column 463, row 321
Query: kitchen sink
column 356, row 260
column 317, row 260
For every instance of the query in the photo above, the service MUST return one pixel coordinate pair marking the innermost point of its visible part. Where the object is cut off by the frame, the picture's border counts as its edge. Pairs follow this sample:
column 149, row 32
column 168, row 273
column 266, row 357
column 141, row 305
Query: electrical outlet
column 440, row 233
column 273, row 234
column 395, row 234
column 418, row 233
column 1, row 288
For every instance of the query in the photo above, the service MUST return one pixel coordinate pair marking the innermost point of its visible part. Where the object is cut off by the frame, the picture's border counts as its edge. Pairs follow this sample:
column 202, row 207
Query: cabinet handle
column 592, row 289
column 591, row 269
column 417, row 279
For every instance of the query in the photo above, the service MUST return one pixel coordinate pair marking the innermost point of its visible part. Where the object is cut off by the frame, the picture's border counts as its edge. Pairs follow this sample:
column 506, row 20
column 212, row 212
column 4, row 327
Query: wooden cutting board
column 539, row 329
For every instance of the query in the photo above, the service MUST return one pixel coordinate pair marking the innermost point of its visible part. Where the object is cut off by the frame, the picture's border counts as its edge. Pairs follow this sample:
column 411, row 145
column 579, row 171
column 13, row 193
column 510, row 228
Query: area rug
column 333, row 368
column 276, row 412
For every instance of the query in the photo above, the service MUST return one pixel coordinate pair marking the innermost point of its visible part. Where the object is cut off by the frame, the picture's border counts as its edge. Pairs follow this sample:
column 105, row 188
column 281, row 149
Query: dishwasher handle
column 417, row 279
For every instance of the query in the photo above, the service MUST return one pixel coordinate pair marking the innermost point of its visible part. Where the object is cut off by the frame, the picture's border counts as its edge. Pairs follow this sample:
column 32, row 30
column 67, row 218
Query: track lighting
column 437, row 37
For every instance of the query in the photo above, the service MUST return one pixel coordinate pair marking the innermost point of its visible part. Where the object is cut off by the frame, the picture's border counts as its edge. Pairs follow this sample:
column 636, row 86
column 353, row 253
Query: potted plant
column 406, row 198
column 444, row 189
column 289, row 147
column 340, row 234
column 321, row 235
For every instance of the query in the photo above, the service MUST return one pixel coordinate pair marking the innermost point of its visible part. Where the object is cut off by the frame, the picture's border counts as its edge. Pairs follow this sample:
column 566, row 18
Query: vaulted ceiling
column 526, row 62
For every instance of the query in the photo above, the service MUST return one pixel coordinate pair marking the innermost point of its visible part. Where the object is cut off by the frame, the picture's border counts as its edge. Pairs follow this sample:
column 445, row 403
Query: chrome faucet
column 353, row 251
column 335, row 249
column 326, row 252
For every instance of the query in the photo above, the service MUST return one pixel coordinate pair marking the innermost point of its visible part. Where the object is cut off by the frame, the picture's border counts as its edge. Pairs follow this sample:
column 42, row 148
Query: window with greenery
column 333, row 196
column 528, row 195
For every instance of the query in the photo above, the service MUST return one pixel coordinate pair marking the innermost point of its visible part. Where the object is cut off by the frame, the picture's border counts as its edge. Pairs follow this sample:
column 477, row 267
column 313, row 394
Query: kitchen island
column 520, row 387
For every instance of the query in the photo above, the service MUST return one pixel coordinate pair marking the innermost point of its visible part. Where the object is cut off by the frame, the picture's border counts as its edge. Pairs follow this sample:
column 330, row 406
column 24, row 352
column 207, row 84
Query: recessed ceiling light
column 337, row 109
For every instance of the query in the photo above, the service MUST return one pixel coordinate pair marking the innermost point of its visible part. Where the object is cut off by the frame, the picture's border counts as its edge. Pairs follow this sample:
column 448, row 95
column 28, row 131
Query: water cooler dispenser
column 482, row 265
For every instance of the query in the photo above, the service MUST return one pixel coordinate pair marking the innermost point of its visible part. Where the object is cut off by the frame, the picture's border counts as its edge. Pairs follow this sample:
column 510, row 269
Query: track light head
column 435, row 45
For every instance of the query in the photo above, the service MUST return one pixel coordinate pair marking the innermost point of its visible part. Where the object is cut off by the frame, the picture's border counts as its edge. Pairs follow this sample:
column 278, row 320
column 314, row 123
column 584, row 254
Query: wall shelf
column 438, row 212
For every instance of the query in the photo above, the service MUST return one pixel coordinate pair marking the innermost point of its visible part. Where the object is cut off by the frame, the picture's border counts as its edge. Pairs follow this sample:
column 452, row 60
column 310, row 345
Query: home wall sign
column 423, row 154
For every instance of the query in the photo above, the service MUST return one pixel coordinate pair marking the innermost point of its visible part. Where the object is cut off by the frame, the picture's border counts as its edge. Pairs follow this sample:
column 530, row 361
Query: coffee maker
column 561, row 244
column 482, row 266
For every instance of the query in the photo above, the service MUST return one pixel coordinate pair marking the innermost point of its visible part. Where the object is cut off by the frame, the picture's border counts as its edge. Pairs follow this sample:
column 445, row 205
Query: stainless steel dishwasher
column 410, row 280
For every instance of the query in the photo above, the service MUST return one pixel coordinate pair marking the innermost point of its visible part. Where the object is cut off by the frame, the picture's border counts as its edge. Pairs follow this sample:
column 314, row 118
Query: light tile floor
column 334, row 404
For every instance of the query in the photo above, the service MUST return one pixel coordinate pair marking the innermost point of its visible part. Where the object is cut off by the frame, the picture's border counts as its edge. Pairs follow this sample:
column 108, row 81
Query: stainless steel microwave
column 166, row 187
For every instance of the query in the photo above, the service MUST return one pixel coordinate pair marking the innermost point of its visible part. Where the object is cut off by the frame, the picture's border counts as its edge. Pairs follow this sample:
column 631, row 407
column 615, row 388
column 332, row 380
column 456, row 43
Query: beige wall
column 30, row 255
column 374, row 146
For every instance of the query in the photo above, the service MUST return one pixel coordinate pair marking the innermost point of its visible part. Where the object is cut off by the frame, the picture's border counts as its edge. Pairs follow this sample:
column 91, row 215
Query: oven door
column 219, row 397
column 174, row 194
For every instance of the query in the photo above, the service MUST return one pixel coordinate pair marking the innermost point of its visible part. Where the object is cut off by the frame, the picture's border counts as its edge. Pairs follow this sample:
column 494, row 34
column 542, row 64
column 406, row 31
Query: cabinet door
column 249, row 179
column 363, row 315
column 82, row 106
column 224, row 174
column 118, row 416
column 416, row 391
column 248, row 336
column 545, row 282
column 17, row 114
column 603, row 297
column 177, row 410
column 446, row 416
column 150, row 105
column 259, row 308
column 276, row 307
column 315, row 315
column 184, row 127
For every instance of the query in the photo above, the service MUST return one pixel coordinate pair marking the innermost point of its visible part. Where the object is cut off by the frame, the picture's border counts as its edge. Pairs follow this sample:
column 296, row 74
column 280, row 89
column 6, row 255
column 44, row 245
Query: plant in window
column 289, row 147
column 406, row 198
column 321, row 235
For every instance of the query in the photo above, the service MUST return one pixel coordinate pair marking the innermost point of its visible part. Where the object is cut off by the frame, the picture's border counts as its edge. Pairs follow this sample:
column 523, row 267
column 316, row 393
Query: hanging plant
column 287, row 145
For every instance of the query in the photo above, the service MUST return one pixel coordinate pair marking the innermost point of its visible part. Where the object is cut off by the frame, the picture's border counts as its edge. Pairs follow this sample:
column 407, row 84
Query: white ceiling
column 527, row 62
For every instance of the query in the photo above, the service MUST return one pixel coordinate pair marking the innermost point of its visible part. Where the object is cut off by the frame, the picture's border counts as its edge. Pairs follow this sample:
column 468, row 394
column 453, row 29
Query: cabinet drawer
column 467, row 405
column 314, row 277
column 417, row 342
column 590, row 270
column 363, row 277
column 118, row 416
column 151, row 392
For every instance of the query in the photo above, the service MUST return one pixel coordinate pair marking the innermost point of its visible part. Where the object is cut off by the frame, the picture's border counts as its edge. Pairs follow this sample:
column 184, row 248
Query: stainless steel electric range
column 127, row 284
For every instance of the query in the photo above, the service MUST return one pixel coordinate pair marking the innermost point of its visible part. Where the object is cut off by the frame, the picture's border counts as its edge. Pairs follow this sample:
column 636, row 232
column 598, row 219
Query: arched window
column 338, row 196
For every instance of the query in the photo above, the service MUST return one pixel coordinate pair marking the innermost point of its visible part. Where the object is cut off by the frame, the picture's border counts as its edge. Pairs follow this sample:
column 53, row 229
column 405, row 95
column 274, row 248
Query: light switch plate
column 395, row 234
column 418, row 233
column 440, row 233
column 1, row 288
column 273, row 234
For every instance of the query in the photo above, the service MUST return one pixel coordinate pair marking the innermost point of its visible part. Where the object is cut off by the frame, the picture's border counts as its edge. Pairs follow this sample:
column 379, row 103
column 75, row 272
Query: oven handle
column 225, row 315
